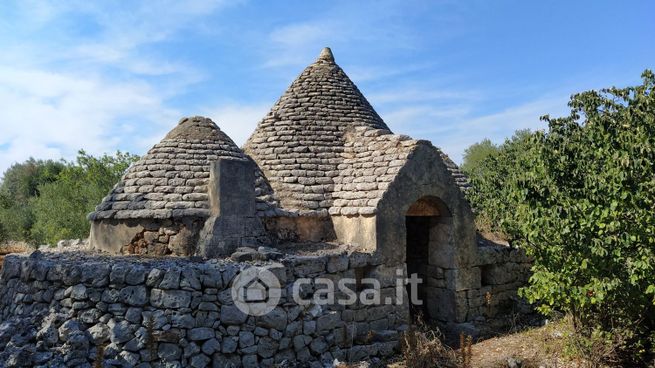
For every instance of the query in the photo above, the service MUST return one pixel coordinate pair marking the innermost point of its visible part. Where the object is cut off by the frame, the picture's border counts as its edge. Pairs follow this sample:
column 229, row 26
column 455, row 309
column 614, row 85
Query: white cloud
column 50, row 115
column 59, row 88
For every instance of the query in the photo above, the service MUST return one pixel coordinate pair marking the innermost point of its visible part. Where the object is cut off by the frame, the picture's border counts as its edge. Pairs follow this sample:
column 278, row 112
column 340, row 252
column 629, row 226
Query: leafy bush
column 45, row 201
column 494, row 179
column 20, row 183
column 476, row 154
column 61, row 208
column 579, row 198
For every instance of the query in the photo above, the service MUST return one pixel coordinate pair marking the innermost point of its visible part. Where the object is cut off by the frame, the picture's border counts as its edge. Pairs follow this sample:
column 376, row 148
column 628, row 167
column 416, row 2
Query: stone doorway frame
column 429, row 238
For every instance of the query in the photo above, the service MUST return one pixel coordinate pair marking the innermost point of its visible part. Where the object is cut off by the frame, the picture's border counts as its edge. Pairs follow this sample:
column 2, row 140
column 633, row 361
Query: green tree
column 579, row 198
column 61, row 208
column 476, row 154
column 18, row 185
column 494, row 178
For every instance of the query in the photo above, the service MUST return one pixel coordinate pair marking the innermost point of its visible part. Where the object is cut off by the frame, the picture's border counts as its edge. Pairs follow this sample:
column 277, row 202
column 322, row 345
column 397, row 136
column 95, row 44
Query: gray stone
column 250, row 361
column 246, row 339
column 201, row 333
column 171, row 280
column 300, row 341
column 269, row 253
column 267, row 347
column 78, row 292
column 154, row 277
column 277, row 319
column 337, row 263
column 100, row 333
column 231, row 315
column 219, row 360
column 134, row 295
column 110, row 296
column 212, row 278
column 229, row 344
column 169, row 352
column 90, row 316
column 190, row 279
column 67, row 328
column 182, row 320
column 318, row 345
column 121, row 332
column 328, row 322
column 131, row 359
column 309, row 265
column 170, row 298
column 135, row 275
column 199, row 361
column 309, row 327
column 208, row 306
column 210, row 346
column 133, row 315
column 117, row 274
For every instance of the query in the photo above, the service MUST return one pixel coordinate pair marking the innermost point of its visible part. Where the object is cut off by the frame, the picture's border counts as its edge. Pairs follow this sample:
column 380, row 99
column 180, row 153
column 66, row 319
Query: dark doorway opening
column 427, row 223
column 418, row 253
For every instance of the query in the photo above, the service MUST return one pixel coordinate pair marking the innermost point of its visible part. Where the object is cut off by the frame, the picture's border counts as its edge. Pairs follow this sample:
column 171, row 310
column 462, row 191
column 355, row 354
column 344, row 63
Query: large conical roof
column 300, row 143
column 171, row 179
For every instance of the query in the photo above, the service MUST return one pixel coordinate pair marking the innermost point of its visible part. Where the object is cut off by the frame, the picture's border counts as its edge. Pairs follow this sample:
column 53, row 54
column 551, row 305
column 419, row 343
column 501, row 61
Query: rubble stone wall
column 155, row 237
column 503, row 270
column 68, row 309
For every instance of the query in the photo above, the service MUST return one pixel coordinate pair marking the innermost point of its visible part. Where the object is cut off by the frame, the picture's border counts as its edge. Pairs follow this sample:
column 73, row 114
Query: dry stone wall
column 503, row 270
column 73, row 310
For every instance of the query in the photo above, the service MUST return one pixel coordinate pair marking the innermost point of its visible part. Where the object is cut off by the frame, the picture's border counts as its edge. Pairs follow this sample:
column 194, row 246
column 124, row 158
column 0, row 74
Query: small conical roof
column 171, row 179
column 300, row 142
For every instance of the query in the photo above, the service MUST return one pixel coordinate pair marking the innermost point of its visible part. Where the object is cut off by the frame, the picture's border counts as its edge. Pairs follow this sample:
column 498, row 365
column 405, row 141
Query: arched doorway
column 428, row 225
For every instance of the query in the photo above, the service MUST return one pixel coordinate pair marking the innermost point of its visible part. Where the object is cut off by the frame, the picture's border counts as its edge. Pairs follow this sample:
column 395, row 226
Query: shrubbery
column 580, row 197
column 45, row 201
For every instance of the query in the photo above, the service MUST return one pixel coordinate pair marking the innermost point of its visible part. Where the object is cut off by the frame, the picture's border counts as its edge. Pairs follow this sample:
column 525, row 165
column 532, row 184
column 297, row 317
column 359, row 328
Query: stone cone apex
column 326, row 56
column 170, row 180
column 300, row 142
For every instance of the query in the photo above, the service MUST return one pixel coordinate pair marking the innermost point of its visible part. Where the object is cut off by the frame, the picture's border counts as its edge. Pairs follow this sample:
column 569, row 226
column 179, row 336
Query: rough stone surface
column 171, row 179
column 323, row 173
column 173, row 325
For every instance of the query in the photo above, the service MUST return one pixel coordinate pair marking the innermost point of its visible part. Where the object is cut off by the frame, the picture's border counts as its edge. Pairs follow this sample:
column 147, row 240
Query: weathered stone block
column 134, row 295
column 170, row 298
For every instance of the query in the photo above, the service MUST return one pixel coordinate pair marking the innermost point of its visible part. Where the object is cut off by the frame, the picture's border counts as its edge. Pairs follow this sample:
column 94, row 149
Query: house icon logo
column 256, row 291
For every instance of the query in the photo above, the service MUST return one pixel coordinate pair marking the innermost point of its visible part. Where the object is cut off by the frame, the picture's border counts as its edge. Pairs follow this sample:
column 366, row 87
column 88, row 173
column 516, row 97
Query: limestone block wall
column 64, row 309
column 503, row 270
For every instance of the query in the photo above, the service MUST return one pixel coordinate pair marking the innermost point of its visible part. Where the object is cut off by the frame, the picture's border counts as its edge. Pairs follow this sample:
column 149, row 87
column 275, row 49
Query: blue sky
column 107, row 75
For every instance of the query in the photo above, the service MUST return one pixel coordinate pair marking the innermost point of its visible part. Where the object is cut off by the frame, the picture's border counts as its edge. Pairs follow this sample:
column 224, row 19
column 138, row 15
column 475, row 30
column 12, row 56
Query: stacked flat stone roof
column 171, row 179
column 321, row 150
column 300, row 142
column 324, row 149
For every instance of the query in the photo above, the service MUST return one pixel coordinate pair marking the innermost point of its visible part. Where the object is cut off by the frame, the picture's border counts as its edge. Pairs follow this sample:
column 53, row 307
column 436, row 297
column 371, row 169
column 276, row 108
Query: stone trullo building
column 322, row 166
column 321, row 190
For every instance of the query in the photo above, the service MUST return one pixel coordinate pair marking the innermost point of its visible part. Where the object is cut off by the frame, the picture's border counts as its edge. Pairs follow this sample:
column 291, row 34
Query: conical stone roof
column 300, row 143
column 171, row 179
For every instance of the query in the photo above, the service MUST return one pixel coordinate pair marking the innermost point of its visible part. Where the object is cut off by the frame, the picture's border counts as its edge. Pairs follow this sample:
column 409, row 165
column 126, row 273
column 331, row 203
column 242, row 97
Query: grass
column 552, row 346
